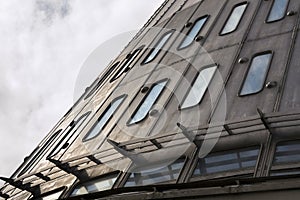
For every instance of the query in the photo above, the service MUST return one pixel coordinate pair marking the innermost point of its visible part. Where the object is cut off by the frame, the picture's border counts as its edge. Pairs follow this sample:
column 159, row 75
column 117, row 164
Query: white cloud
column 43, row 45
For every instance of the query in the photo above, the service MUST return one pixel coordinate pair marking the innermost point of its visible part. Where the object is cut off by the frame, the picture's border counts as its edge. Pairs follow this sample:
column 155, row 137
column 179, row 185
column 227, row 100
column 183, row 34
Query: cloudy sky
column 44, row 44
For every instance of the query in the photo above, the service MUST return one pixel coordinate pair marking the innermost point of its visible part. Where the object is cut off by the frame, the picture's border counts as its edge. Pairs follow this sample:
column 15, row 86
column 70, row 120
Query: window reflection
column 168, row 173
column 278, row 10
column 286, row 154
column 52, row 196
column 227, row 161
column 199, row 87
column 102, row 184
column 148, row 102
column 234, row 19
column 154, row 52
column 257, row 74
column 104, row 118
column 193, row 32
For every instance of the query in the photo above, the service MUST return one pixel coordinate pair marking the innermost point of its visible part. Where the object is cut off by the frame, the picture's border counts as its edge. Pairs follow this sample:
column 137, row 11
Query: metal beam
column 42, row 176
column 119, row 149
column 20, row 185
column 155, row 143
column 5, row 196
column 227, row 129
column 188, row 134
column 263, row 119
column 67, row 168
column 95, row 160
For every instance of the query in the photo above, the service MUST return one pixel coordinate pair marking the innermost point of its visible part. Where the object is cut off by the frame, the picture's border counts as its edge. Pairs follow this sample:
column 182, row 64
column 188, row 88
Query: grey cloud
column 39, row 64
column 47, row 10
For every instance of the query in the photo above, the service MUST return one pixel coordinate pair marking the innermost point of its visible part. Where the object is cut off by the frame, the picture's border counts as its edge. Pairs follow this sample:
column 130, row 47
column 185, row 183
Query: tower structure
column 203, row 103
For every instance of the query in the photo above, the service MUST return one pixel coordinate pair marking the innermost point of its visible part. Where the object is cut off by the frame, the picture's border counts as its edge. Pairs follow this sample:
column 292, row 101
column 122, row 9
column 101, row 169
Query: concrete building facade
column 203, row 103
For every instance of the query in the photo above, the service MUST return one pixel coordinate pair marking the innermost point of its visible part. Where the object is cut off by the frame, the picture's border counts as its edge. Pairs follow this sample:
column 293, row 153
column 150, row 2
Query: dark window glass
column 227, row 161
column 168, row 173
column 154, row 52
column 193, row 32
column 69, row 137
column 126, row 66
column 101, row 184
column 234, row 18
column 197, row 91
column 278, row 10
column 257, row 74
column 147, row 102
column 287, row 152
column 104, row 118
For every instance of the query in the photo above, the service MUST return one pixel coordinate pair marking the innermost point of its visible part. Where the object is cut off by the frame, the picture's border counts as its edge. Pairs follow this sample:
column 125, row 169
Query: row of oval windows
column 253, row 83
column 276, row 13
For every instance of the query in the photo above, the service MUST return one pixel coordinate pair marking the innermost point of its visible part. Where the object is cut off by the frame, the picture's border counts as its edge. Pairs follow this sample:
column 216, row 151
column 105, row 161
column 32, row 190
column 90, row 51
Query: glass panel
column 278, row 10
column 105, row 117
column 287, row 153
column 127, row 64
column 199, row 87
column 95, row 186
column 79, row 191
column 234, row 19
column 257, row 74
column 227, row 161
column 154, row 52
column 53, row 196
column 171, row 172
column 148, row 102
column 193, row 33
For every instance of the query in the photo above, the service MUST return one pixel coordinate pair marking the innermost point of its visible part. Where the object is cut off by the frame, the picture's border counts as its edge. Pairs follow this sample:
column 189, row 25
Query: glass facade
column 287, row 152
column 227, row 161
column 164, row 174
column 101, row 184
